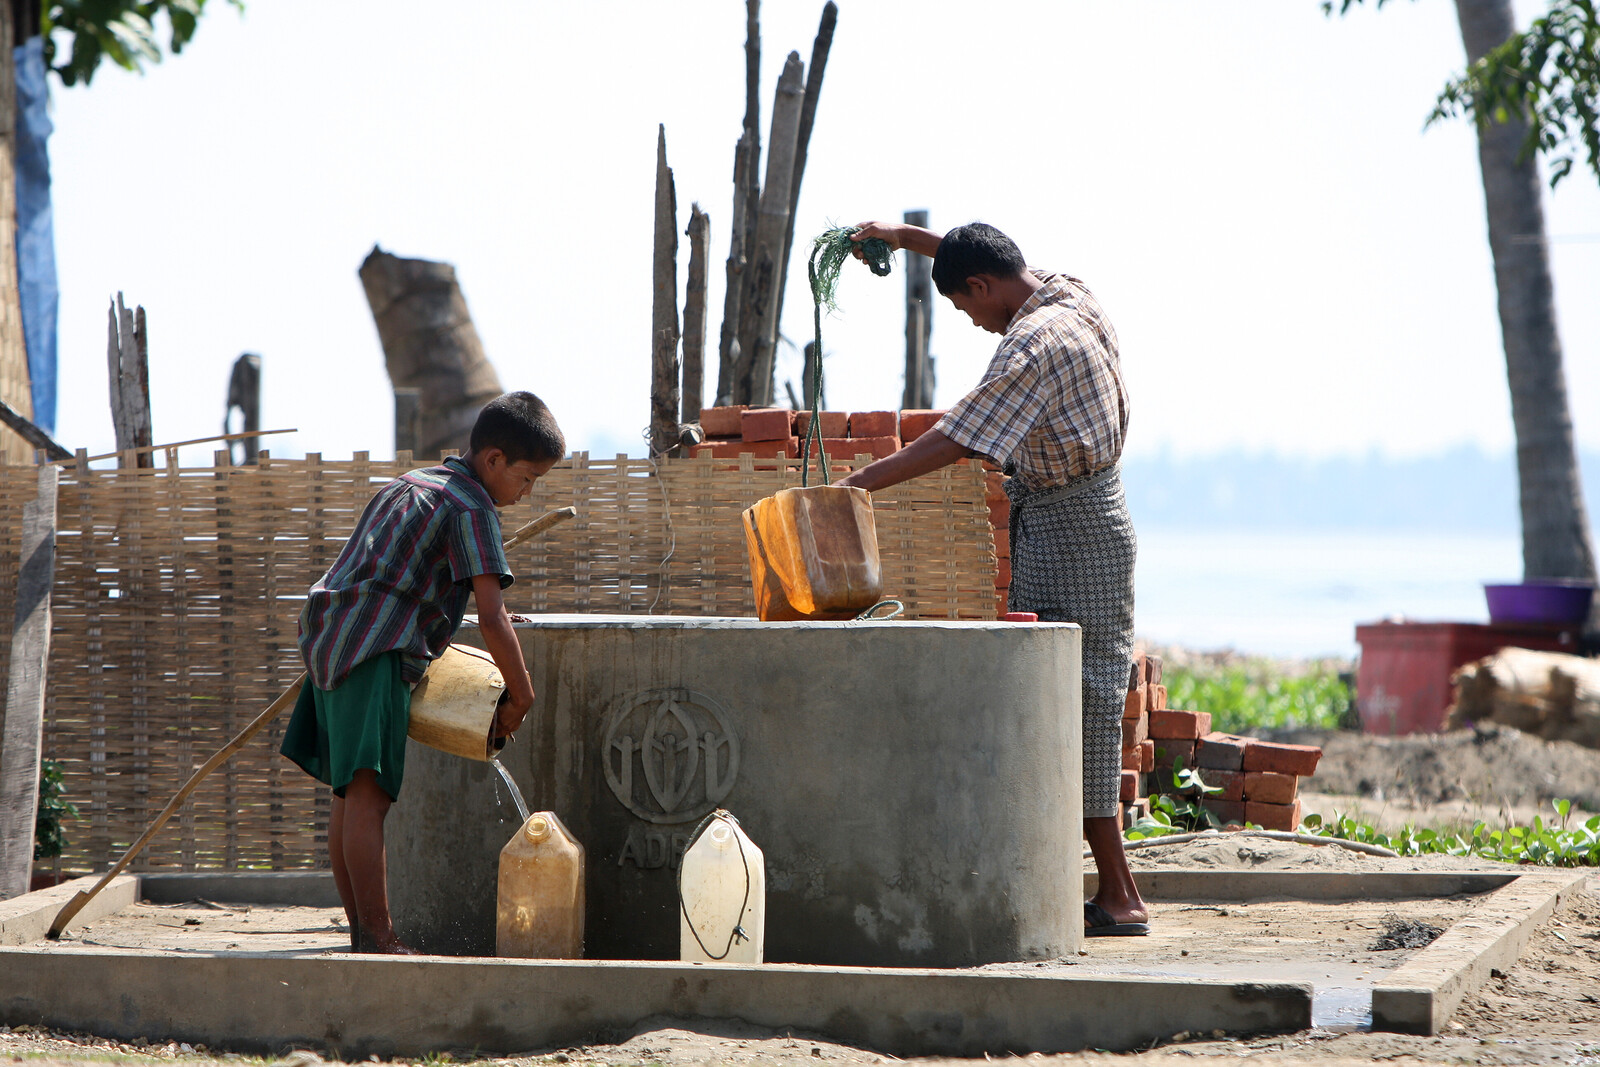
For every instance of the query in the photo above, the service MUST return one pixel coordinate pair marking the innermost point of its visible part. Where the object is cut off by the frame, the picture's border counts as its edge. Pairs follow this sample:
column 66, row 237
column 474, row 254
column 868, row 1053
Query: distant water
column 1302, row 594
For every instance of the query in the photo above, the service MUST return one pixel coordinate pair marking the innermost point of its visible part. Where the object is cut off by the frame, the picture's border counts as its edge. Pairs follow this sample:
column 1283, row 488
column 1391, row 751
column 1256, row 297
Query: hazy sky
column 1291, row 262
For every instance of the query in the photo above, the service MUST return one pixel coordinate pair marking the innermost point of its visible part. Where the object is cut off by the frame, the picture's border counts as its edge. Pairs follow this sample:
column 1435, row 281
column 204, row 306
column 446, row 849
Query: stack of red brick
column 1259, row 781
column 766, row 432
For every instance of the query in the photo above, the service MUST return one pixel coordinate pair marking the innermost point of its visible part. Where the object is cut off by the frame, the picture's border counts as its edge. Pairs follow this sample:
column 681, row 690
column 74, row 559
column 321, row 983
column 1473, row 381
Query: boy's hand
column 509, row 714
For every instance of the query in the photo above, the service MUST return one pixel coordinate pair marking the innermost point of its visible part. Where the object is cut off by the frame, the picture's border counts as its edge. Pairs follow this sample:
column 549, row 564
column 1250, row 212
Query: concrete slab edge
column 353, row 1006
column 305, row 889
column 1172, row 883
column 1422, row 994
column 27, row 918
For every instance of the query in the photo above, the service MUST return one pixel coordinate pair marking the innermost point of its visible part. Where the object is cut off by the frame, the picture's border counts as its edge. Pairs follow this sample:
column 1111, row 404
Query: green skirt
column 358, row 725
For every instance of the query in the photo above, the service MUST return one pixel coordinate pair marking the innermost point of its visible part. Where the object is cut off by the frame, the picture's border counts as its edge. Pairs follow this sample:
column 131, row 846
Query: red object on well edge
column 1403, row 681
column 1020, row 616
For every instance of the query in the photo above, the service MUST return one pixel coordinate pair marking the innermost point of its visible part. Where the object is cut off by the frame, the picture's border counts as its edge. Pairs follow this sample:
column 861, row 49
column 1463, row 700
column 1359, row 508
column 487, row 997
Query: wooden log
column 694, row 314
column 808, row 117
column 407, row 419
column 758, row 337
column 128, row 354
column 1549, row 694
column 23, row 728
column 430, row 344
column 918, row 393
column 664, row 367
column 733, row 292
column 244, row 393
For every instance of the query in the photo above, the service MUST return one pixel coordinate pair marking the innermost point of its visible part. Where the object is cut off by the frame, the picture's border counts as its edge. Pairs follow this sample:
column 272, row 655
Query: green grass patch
column 1255, row 694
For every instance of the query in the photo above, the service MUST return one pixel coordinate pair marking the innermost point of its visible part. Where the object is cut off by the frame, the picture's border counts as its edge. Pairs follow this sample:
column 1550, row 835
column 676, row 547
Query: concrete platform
column 1121, row 994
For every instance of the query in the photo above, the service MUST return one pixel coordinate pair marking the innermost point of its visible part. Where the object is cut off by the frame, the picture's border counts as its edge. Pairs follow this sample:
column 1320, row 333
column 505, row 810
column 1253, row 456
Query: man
column 1053, row 411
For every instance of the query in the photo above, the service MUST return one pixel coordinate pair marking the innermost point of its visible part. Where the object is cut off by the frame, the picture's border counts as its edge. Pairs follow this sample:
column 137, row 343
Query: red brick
column 1222, row 752
column 1179, row 724
column 1002, row 545
column 760, row 449
column 999, row 515
column 993, row 486
column 1270, row 787
column 875, row 424
column 1132, row 813
column 1230, row 782
column 1002, row 578
column 1133, row 705
column 1282, row 758
column 766, row 424
column 1226, row 810
column 1129, row 791
column 1147, row 757
column 1132, row 758
column 1273, row 816
column 1136, row 675
column 722, row 422
column 1152, row 669
column 1135, row 731
column 915, row 423
column 833, row 423
column 999, row 604
column 1171, row 749
column 1158, row 698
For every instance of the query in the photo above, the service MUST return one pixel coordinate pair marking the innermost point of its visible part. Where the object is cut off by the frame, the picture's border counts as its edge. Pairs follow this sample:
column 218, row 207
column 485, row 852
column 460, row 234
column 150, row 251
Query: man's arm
column 898, row 235
column 927, row 453
column 501, row 639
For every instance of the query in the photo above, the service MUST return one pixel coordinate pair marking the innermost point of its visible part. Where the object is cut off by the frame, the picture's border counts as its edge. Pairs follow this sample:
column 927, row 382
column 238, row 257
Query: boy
column 1053, row 410
column 389, row 604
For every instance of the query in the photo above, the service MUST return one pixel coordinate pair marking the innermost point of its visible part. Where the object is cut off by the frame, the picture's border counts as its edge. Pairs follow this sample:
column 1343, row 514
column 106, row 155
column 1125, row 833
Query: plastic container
column 722, row 887
column 452, row 708
column 813, row 553
column 541, row 892
column 1540, row 602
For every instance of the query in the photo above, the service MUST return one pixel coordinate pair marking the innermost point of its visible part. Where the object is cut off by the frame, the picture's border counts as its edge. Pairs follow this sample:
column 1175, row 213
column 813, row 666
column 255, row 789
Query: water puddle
column 516, row 794
column 1342, row 1008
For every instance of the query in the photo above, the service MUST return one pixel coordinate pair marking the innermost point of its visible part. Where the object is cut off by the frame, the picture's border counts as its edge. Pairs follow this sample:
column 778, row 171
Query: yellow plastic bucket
column 452, row 708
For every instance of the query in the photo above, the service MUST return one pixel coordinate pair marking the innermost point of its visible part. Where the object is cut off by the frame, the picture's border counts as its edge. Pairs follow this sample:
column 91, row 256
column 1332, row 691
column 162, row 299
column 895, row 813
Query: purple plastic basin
column 1544, row 602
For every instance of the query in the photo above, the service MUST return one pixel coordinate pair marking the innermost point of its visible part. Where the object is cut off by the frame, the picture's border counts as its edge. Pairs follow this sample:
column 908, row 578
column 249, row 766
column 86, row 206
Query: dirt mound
column 1235, row 851
column 1494, row 765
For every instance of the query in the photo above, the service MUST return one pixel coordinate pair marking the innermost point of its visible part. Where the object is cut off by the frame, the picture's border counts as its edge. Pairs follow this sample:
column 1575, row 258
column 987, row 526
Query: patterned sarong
column 1072, row 554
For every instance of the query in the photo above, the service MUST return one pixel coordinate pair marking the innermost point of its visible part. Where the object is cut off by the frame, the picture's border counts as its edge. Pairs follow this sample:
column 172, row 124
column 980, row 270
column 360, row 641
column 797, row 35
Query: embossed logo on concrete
column 670, row 755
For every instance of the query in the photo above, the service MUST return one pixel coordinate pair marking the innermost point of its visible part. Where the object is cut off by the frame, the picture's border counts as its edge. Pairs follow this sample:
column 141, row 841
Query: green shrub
column 48, row 838
column 1257, row 694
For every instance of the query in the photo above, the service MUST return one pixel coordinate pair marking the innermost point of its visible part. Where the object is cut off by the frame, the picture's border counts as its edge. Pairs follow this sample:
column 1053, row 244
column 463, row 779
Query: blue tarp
column 36, row 244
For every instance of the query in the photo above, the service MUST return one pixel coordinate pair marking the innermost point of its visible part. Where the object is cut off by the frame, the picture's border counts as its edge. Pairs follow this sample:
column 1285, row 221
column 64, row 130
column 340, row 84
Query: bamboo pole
column 259, row 723
column 771, row 225
column 694, row 314
column 664, row 367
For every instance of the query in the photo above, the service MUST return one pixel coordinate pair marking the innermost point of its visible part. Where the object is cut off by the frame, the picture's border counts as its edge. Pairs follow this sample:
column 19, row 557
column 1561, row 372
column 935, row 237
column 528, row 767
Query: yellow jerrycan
column 452, row 708
column 813, row 553
column 541, row 892
column 722, row 896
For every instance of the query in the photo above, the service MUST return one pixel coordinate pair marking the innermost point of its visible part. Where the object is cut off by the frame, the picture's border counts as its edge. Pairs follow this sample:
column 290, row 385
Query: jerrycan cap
column 537, row 827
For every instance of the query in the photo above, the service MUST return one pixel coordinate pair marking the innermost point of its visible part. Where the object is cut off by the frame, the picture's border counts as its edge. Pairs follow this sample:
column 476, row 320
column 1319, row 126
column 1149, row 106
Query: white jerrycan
column 722, row 896
column 541, row 892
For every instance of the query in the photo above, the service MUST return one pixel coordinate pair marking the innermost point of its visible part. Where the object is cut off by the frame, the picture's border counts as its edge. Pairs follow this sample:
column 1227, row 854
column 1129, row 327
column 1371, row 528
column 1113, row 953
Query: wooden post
column 430, row 344
column 918, row 391
column 244, row 393
column 808, row 117
column 407, row 419
column 694, row 314
column 664, row 309
column 733, row 292
column 23, row 735
column 128, row 352
column 771, row 225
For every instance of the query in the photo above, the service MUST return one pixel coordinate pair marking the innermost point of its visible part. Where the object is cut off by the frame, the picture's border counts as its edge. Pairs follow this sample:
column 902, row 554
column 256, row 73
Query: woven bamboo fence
column 178, row 591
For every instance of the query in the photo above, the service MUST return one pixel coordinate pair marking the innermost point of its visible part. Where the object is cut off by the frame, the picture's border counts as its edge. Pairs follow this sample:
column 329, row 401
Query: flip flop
column 1098, row 922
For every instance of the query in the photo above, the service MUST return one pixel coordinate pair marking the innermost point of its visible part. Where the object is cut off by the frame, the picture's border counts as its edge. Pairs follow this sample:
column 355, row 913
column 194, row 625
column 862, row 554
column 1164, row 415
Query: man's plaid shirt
column 404, row 577
column 1052, row 400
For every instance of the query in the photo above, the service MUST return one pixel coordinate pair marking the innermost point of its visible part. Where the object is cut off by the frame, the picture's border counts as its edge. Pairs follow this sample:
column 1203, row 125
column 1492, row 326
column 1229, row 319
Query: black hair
column 973, row 249
column 519, row 425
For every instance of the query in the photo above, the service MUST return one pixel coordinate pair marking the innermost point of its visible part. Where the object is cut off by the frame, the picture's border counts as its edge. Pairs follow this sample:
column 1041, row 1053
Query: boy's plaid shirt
column 1052, row 399
column 403, row 579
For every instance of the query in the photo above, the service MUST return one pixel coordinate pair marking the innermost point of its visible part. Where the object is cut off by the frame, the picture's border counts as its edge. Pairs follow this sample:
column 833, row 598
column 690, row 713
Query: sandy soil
column 1543, row 1010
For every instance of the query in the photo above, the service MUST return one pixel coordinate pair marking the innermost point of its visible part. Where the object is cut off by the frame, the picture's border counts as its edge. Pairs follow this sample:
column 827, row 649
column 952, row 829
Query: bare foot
column 373, row 945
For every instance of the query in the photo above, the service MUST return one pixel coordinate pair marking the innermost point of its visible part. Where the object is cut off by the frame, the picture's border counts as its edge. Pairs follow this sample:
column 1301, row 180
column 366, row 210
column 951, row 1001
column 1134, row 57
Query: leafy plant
column 122, row 31
column 1554, row 845
column 1257, row 694
column 1174, row 813
column 48, row 838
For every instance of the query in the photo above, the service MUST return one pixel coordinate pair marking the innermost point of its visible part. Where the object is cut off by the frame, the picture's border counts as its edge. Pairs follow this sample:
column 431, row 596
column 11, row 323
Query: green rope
column 828, row 253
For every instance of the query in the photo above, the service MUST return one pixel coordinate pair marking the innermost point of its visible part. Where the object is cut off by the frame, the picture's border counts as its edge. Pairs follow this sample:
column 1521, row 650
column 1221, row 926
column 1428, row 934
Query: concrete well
column 916, row 787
